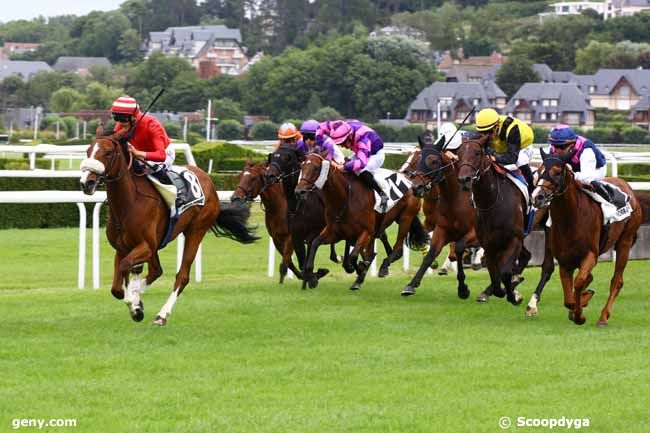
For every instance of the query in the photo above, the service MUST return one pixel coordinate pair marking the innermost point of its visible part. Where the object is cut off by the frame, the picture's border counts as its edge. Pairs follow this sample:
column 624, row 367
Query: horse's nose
column 539, row 198
column 301, row 194
column 89, row 186
column 418, row 191
column 465, row 181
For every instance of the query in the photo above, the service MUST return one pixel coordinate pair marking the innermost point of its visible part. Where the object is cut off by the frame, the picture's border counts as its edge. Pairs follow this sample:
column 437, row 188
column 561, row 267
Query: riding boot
column 162, row 176
column 601, row 190
column 528, row 175
column 368, row 179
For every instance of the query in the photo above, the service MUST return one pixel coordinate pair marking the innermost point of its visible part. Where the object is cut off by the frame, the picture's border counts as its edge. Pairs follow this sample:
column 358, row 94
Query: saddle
column 614, row 203
column 394, row 184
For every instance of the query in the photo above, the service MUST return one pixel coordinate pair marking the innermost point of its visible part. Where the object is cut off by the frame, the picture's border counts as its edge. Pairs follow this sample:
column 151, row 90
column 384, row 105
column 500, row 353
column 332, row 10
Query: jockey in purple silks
column 311, row 141
column 368, row 157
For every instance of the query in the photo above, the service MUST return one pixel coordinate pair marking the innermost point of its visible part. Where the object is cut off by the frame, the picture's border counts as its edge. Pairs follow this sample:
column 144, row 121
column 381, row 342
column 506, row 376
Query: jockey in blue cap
column 588, row 164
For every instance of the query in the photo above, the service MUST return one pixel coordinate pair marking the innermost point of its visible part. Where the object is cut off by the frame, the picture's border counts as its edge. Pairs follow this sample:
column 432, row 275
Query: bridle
column 313, row 181
column 478, row 172
column 119, row 150
column 282, row 176
column 559, row 188
column 248, row 193
column 434, row 175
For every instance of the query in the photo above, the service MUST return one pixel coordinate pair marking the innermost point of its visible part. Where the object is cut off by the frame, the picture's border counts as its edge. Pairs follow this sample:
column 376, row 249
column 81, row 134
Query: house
column 212, row 50
column 615, row 89
column 456, row 100
column 23, row 68
column 403, row 31
column 448, row 61
column 572, row 8
column 623, row 8
column 80, row 65
column 546, row 104
column 472, row 73
column 641, row 112
column 547, row 75
column 10, row 48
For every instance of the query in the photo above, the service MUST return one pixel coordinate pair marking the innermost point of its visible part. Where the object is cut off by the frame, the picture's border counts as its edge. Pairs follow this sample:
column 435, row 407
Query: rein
column 478, row 173
column 105, row 178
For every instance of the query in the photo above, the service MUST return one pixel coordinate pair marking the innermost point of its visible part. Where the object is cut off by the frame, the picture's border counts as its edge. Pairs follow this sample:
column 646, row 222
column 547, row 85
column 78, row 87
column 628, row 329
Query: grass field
column 244, row 354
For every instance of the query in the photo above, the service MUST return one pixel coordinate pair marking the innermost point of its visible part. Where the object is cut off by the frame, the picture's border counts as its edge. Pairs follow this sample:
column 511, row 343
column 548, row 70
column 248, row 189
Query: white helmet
column 448, row 130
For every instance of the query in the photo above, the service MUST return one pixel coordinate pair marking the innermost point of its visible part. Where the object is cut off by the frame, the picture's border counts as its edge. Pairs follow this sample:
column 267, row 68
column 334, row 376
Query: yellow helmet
column 486, row 119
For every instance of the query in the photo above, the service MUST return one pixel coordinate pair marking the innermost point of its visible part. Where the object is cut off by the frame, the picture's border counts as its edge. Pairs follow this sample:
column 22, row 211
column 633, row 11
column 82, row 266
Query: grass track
column 243, row 354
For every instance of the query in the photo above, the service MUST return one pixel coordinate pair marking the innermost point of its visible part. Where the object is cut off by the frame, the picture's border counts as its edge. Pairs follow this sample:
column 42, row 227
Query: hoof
column 383, row 272
column 463, row 292
column 482, row 297
column 531, row 311
column 515, row 299
column 137, row 313
column 313, row 282
column 434, row 265
column 408, row 291
column 160, row 321
column 476, row 266
column 355, row 286
column 442, row 271
column 118, row 294
column 579, row 320
column 517, row 280
column 322, row 272
column 349, row 269
column 571, row 316
column 601, row 324
column 499, row 292
column 304, row 285
column 281, row 279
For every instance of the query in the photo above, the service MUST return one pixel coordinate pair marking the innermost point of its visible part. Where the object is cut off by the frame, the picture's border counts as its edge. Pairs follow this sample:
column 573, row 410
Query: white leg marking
column 166, row 309
column 531, row 309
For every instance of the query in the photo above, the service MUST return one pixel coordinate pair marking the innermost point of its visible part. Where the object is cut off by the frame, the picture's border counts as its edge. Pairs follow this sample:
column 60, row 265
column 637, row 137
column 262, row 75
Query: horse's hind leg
column 507, row 268
column 547, row 270
column 368, row 255
column 438, row 241
column 192, row 242
column 622, row 254
column 463, row 290
column 120, row 279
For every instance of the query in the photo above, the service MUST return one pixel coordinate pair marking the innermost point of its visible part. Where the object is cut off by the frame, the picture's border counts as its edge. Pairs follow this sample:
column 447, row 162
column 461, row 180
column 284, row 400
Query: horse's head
column 553, row 177
column 282, row 163
column 313, row 174
column 430, row 169
column 108, row 159
column 251, row 182
column 473, row 161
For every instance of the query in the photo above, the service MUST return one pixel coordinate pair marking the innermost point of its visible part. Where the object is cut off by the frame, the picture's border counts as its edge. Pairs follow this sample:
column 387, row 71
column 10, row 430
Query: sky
column 28, row 9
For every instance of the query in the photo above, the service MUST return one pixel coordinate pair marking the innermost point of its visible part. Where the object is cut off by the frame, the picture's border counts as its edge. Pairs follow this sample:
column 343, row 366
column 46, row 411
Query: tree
column 592, row 57
column 66, row 100
column 129, row 46
column 227, row 109
column 11, row 89
column 99, row 96
column 186, row 92
column 514, row 73
column 155, row 72
column 99, row 34
column 43, row 84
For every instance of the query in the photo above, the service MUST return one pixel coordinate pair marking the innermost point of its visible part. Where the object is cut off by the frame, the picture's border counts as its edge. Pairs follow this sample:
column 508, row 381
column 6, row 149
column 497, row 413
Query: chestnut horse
column 499, row 217
column 455, row 216
column 350, row 215
column 138, row 220
column 252, row 182
column 577, row 236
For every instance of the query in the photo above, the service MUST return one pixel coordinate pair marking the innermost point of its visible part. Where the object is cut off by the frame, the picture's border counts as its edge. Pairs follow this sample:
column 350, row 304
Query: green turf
column 244, row 354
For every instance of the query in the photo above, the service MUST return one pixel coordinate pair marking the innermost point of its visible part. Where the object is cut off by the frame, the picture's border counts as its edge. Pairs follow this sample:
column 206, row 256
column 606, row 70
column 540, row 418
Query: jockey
column 588, row 164
column 510, row 138
column 148, row 141
column 453, row 138
column 288, row 135
column 367, row 147
column 311, row 142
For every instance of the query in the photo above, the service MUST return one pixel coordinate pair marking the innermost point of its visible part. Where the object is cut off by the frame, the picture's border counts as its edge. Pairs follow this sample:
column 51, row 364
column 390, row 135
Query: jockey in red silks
column 368, row 157
column 149, row 141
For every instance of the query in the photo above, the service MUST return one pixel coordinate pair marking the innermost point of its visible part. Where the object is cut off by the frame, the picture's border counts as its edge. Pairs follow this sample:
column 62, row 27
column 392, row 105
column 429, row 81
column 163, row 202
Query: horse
column 350, row 215
column 577, row 235
column 455, row 216
column 500, row 208
column 252, row 183
column 307, row 219
column 138, row 219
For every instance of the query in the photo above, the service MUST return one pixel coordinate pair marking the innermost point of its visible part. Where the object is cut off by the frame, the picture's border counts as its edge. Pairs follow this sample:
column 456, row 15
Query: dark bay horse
column 138, row 219
column 350, row 215
column 500, row 210
column 577, row 238
column 455, row 216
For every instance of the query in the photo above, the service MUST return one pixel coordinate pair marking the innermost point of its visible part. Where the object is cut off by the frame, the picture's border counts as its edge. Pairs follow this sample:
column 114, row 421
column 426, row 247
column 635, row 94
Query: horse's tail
column 231, row 223
column 417, row 238
column 644, row 201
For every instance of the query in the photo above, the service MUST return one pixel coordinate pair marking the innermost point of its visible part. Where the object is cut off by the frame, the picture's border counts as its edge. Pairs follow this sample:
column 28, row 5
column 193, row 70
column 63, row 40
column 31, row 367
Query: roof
column 73, row 64
column 547, row 75
column 24, row 68
column 568, row 95
column 196, row 33
column 465, row 92
column 643, row 104
column 606, row 79
column 461, row 72
column 630, row 3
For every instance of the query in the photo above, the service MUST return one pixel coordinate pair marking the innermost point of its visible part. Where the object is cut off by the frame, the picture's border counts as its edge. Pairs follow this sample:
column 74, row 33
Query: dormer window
column 517, row 101
column 533, row 103
column 553, row 102
column 545, row 102
column 475, row 102
column 592, row 89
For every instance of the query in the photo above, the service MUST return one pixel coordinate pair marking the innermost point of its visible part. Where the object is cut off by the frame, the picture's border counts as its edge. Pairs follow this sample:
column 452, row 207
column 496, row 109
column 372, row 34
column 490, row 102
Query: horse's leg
column 333, row 256
column 463, row 290
column 548, row 266
column 383, row 270
column 438, row 241
column 566, row 278
column 132, row 263
column 289, row 247
column 348, row 266
column 491, row 289
column 507, row 266
column 119, row 279
column 478, row 257
column 582, row 280
column 325, row 236
column 279, row 246
column 404, row 225
column 368, row 254
column 361, row 244
column 192, row 243
column 520, row 266
column 383, row 237
column 622, row 254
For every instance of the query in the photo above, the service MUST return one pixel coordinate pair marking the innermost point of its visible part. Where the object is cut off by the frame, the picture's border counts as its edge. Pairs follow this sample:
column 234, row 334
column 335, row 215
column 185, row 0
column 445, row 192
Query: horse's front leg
column 120, row 278
column 548, row 266
column 583, row 279
column 133, row 263
column 366, row 245
column 438, row 240
column 325, row 236
column 463, row 290
column 623, row 247
column 507, row 267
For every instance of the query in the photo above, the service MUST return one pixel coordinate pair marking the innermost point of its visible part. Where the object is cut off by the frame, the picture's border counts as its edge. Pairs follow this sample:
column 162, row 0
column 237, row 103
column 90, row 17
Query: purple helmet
column 309, row 126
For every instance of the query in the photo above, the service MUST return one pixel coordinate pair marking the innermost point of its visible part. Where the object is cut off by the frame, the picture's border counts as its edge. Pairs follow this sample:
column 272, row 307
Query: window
column 542, row 116
column 444, row 115
column 624, row 91
column 553, row 102
column 553, row 116
column 516, row 102
column 544, row 102
column 533, row 103
column 592, row 89
column 475, row 102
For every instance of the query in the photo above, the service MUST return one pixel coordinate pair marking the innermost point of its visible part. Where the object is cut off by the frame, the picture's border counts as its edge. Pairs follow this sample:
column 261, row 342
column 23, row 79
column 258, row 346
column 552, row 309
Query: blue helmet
column 561, row 136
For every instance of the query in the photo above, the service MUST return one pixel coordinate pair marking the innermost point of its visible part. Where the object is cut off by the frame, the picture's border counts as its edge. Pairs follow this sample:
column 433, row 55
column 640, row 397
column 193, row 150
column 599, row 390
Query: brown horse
column 252, row 182
column 138, row 220
column 350, row 215
column 500, row 210
column 577, row 235
column 455, row 216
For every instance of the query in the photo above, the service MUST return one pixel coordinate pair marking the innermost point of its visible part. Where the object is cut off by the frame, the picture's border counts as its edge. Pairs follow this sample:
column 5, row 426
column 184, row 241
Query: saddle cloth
column 394, row 184
column 185, row 192
column 619, row 210
column 518, row 179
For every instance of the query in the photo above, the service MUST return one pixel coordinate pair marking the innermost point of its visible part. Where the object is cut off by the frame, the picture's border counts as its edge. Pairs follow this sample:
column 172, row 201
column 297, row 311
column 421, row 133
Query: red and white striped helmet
column 124, row 105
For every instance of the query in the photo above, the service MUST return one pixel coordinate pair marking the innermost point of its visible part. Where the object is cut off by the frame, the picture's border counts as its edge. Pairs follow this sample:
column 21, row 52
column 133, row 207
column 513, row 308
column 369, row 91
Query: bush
column 633, row 135
column 265, row 130
column 224, row 156
column 387, row 133
column 541, row 134
column 326, row 113
column 230, row 130
column 603, row 135
column 194, row 138
column 409, row 133
column 174, row 129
